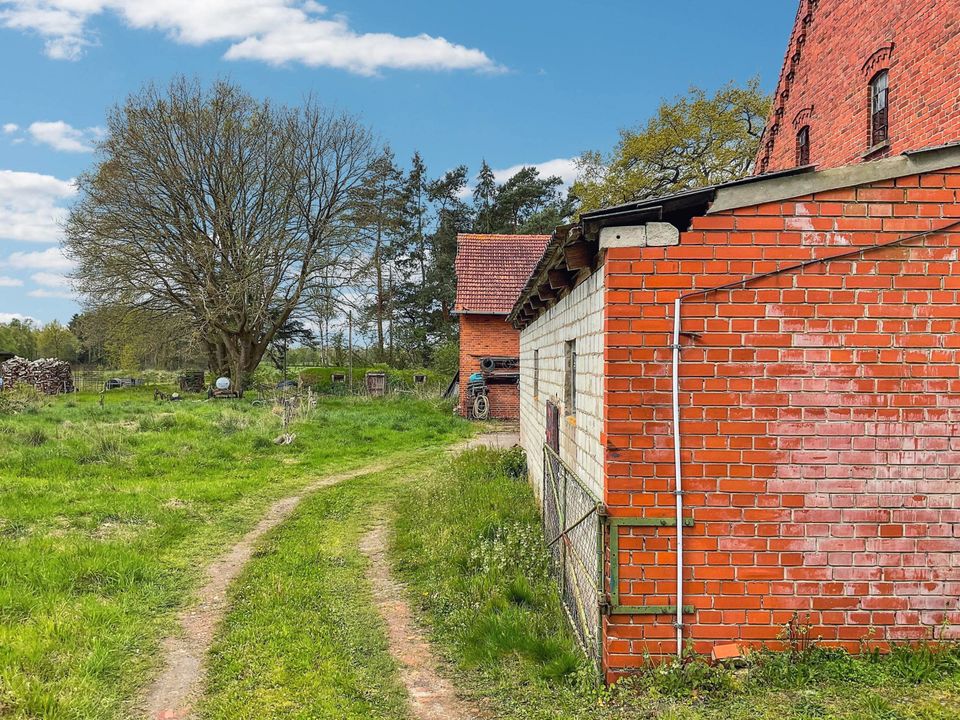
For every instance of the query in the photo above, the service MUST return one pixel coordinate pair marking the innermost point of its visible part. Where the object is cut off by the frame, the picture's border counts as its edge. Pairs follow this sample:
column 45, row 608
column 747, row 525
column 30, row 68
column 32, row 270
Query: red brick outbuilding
column 491, row 270
column 741, row 404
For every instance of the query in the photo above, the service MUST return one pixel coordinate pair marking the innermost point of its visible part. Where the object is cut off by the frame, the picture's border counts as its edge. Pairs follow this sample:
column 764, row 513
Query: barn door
column 552, row 441
column 553, row 427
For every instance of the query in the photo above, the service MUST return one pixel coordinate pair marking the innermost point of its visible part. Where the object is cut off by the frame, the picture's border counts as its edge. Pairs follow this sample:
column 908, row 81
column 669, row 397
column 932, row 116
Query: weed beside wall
column 469, row 545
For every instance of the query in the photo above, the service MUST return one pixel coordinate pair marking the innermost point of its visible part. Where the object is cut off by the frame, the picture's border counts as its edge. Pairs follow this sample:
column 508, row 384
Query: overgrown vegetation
column 321, row 379
column 108, row 515
column 469, row 545
column 21, row 399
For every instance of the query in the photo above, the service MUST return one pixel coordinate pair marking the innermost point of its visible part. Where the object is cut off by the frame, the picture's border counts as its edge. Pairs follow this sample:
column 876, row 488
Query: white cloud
column 50, row 261
column 564, row 168
column 273, row 31
column 10, row 128
column 52, row 294
column 31, row 206
column 61, row 136
column 9, row 282
column 6, row 317
column 49, row 279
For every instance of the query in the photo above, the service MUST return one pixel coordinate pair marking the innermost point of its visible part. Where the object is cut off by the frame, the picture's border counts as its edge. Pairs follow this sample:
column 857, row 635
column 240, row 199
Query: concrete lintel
column 793, row 186
column 660, row 234
column 653, row 234
column 623, row 237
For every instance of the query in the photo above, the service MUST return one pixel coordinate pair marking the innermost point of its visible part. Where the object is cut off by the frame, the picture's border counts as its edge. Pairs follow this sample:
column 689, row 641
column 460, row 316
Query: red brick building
column 755, row 388
column 849, row 58
column 491, row 270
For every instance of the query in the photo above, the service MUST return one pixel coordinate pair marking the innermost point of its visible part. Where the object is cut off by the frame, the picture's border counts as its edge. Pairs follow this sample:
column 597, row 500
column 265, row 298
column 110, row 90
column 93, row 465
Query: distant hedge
column 321, row 379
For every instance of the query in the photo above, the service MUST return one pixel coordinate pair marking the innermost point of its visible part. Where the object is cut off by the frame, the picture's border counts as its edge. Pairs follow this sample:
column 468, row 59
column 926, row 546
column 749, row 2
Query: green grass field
column 107, row 515
column 302, row 638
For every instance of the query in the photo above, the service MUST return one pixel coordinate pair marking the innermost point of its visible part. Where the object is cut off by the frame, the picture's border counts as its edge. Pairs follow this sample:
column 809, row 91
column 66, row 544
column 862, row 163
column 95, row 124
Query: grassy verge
column 302, row 638
column 108, row 514
column 469, row 545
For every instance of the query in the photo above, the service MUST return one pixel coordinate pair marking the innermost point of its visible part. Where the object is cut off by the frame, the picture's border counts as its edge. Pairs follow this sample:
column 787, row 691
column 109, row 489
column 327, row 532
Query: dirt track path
column 431, row 696
column 173, row 693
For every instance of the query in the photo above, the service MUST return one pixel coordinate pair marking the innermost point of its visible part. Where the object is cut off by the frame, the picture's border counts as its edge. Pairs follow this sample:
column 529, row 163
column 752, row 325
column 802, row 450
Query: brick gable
column 836, row 47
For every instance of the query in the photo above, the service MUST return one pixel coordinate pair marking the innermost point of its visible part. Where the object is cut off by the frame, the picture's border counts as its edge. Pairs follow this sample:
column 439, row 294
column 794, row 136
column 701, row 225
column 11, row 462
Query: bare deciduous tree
column 212, row 205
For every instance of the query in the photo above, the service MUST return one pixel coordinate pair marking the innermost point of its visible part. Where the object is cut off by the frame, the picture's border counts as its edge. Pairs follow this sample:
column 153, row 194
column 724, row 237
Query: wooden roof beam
column 580, row 255
column 560, row 279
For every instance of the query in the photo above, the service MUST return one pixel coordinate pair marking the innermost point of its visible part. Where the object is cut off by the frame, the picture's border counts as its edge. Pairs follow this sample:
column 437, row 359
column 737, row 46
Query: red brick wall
column 820, row 421
column 485, row 336
column 836, row 48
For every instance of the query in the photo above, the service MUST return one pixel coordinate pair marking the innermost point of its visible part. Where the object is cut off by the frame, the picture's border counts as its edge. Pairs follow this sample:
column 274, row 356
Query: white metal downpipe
column 678, row 476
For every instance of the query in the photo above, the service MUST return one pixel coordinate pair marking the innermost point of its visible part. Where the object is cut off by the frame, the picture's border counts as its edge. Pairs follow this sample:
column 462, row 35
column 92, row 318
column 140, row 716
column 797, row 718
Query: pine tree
column 378, row 217
column 484, row 196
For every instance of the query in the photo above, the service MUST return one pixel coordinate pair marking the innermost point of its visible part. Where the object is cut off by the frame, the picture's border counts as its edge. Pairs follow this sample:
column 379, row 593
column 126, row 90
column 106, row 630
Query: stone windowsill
column 879, row 147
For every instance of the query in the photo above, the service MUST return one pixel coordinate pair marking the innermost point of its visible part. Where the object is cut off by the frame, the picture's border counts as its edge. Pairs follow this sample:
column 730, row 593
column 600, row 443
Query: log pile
column 48, row 376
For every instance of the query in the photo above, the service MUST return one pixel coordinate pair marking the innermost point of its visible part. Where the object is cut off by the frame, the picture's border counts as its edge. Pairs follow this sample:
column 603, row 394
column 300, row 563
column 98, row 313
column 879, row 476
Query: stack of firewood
column 49, row 376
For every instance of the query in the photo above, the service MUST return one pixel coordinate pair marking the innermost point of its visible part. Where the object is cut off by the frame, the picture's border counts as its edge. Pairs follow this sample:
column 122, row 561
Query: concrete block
column 623, row 237
column 662, row 235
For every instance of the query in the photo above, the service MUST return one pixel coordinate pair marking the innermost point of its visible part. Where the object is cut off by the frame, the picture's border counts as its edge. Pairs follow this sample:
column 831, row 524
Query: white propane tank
column 223, row 383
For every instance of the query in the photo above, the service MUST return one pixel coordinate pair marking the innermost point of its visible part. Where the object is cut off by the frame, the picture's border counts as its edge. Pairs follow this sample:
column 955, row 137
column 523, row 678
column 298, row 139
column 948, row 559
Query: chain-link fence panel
column 573, row 526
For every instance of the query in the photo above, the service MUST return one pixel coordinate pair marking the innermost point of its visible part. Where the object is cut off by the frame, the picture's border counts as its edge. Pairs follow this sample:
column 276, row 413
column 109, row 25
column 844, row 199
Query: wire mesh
column 573, row 526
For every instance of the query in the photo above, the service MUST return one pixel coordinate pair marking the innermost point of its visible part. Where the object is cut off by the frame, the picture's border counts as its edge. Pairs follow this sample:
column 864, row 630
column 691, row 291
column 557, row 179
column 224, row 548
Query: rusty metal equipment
column 193, row 381
column 478, row 397
column 493, row 371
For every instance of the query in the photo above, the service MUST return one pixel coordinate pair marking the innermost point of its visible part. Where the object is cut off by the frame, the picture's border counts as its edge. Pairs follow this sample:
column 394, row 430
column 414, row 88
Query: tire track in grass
column 431, row 697
column 172, row 694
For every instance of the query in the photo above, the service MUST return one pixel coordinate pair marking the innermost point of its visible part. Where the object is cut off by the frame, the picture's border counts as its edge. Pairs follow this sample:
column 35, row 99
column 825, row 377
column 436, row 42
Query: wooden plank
column 580, row 255
column 560, row 279
column 547, row 293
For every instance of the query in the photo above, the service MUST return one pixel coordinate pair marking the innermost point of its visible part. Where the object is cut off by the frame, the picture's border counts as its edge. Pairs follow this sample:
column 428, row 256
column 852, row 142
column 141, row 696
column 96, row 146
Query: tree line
column 225, row 228
column 29, row 340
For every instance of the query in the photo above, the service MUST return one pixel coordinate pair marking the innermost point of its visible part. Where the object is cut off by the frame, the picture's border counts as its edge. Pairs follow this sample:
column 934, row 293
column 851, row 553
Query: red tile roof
column 492, row 270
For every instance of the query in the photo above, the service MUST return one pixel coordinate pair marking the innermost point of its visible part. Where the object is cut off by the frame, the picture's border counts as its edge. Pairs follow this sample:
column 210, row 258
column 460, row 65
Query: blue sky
column 521, row 82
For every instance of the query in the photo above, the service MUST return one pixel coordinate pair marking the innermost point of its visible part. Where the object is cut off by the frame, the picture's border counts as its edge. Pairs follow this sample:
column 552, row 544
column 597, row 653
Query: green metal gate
column 573, row 521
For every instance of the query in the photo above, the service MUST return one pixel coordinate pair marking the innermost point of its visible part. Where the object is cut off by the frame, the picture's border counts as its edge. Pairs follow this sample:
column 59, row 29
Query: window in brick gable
column 570, row 378
column 803, row 146
column 879, row 108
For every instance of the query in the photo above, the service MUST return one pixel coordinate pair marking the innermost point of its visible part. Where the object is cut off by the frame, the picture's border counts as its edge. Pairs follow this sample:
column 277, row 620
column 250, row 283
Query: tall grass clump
column 470, row 545
column 105, row 446
column 21, row 400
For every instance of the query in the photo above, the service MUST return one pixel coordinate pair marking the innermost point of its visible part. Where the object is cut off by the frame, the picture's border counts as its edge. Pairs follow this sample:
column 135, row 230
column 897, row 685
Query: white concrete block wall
column 578, row 316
